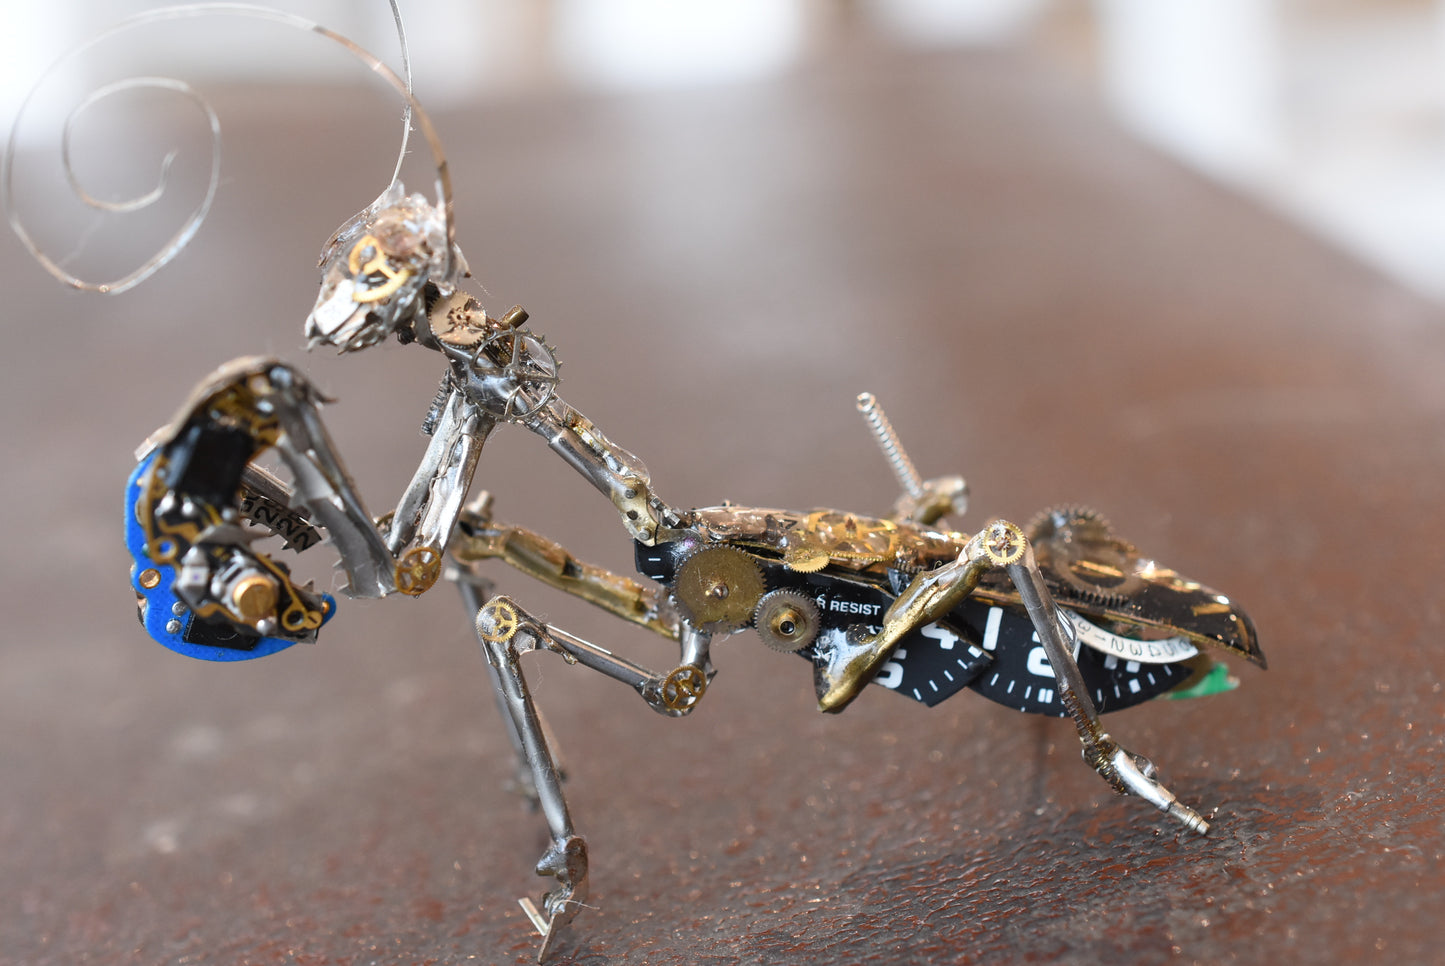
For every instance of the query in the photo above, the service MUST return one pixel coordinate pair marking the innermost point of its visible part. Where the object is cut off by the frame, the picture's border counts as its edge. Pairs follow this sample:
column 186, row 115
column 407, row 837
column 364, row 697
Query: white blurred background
column 1331, row 111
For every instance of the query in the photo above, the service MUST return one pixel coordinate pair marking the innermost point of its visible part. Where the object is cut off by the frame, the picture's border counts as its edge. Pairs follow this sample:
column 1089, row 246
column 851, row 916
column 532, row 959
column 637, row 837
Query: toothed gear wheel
column 519, row 373
column 498, row 622
column 1003, row 543
column 787, row 620
column 417, row 570
column 683, row 688
column 806, row 560
column 1077, row 546
column 1067, row 518
column 718, row 588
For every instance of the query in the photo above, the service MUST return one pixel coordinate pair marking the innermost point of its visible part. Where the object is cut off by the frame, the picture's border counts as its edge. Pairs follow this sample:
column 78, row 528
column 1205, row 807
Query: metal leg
column 1006, row 545
column 506, row 633
column 475, row 590
column 843, row 673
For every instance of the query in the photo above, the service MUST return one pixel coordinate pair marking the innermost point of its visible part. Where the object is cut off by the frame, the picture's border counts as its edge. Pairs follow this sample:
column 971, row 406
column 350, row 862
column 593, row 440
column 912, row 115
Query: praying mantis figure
column 1061, row 617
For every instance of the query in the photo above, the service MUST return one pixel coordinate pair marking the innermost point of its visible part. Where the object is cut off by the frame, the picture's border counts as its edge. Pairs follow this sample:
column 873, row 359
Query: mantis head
column 376, row 269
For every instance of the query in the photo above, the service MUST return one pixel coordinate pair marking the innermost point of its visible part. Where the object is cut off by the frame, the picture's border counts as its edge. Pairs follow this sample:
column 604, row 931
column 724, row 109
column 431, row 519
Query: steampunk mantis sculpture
column 1060, row 618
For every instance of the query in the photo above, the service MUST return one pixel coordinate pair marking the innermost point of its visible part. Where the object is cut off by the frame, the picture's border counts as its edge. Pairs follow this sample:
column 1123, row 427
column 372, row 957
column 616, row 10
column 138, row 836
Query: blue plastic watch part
column 163, row 606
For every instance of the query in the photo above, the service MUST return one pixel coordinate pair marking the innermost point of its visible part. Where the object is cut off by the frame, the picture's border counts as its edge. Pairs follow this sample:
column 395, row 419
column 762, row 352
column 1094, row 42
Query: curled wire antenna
column 413, row 113
column 406, row 74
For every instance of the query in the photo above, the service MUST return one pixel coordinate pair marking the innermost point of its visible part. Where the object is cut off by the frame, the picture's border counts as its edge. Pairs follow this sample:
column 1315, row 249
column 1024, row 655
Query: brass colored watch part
column 237, row 405
column 809, row 542
column 295, row 617
column 802, row 540
column 927, row 598
column 787, row 620
column 498, row 622
column 828, row 536
column 683, row 687
column 254, row 598
column 417, row 570
column 1003, row 543
column 806, row 560
column 551, row 563
column 718, row 587
column 377, row 264
column 460, row 321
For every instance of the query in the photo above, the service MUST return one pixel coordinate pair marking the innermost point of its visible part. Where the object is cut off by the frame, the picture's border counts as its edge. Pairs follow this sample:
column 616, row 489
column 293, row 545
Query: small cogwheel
column 683, row 688
column 417, row 570
column 718, row 588
column 1003, row 543
column 497, row 622
column 787, row 620
column 806, row 560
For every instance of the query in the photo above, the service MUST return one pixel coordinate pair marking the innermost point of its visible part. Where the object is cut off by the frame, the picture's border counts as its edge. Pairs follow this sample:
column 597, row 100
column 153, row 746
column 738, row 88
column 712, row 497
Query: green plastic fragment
column 1216, row 681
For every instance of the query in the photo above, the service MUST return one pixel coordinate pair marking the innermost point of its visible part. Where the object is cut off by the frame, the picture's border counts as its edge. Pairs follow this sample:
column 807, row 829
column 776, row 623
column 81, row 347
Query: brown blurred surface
column 1041, row 304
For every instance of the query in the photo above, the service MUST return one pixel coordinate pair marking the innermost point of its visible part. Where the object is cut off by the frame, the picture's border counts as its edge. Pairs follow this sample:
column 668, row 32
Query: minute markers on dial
column 934, row 663
column 1133, row 684
column 916, row 668
column 1021, row 677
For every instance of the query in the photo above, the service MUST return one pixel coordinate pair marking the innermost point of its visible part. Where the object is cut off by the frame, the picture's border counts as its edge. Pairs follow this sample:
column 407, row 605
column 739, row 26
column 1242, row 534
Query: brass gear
column 1003, row 543
column 787, row 620
column 828, row 536
column 417, row 570
column 683, row 687
column 717, row 588
column 497, row 622
column 806, row 560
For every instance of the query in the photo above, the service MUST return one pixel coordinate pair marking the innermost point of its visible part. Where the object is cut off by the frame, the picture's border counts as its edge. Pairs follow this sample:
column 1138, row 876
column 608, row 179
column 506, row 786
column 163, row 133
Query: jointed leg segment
column 932, row 594
column 506, row 632
column 1126, row 772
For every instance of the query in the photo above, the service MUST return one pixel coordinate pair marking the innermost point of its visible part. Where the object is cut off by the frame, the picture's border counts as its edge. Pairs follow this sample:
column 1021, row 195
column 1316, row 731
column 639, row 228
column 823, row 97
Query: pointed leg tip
column 1189, row 818
column 538, row 921
column 547, row 930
